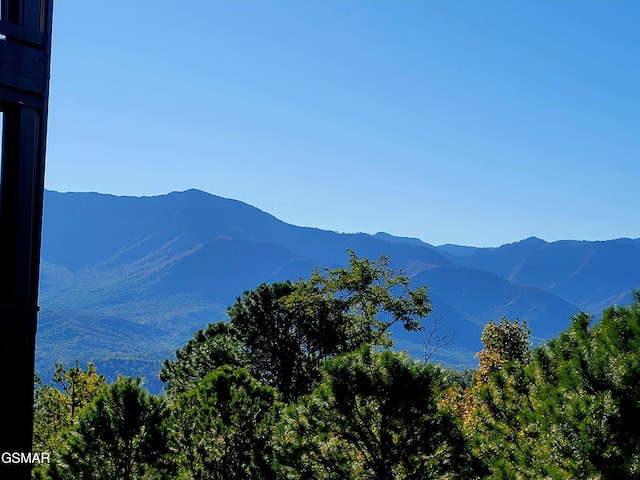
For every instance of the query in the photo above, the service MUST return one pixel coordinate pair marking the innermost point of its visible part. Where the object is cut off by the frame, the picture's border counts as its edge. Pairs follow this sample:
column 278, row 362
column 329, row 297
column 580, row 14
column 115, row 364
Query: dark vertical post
column 25, row 52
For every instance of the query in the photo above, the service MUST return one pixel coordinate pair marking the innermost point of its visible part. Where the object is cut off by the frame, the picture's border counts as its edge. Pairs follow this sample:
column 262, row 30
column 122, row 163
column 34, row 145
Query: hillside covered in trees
column 302, row 383
column 125, row 281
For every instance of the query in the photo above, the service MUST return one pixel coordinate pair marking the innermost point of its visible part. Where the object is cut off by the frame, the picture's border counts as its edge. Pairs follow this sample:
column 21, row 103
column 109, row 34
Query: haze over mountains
column 127, row 280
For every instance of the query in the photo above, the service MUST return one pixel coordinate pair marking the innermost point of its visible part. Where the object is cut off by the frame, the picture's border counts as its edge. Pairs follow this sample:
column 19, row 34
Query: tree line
column 302, row 382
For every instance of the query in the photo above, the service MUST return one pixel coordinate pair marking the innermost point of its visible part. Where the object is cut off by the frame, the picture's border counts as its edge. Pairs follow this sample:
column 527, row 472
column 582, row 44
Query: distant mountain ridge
column 127, row 280
column 589, row 274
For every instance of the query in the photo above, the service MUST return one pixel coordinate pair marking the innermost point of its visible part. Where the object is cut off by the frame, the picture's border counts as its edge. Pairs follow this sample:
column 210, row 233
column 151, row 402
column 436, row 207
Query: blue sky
column 476, row 123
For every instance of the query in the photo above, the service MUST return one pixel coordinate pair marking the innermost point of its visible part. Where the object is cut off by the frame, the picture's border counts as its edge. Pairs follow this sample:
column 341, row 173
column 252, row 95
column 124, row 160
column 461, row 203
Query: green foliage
column 571, row 411
column 221, row 429
column 503, row 343
column 364, row 291
column 56, row 406
column 489, row 403
column 301, row 384
column 119, row 436
column 285, row 345
column 277, row 340
column 465, row 379
column 594, row 374
column 376, row 416
column 283, row 332
column 502, row 425
column 209, row 349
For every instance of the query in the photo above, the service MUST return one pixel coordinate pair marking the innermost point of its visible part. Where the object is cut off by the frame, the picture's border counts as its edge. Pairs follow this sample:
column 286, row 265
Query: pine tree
column 119, row 436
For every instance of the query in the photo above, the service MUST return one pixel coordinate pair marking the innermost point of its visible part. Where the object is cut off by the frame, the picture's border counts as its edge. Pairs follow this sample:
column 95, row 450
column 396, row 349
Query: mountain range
column 127, row 280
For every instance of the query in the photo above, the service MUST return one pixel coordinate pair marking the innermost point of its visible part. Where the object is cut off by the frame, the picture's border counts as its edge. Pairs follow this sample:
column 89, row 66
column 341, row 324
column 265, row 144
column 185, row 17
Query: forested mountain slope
column 126, row 280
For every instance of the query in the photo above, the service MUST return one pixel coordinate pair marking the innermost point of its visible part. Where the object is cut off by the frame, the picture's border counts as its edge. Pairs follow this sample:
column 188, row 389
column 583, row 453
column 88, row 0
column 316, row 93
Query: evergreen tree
column 588, row 396
column 119, row 436
column 222, row 428
column 282, row 332
column 494, row 409
column 375, row 416
column 569, row 412
column 57, row 406
column 209, row 349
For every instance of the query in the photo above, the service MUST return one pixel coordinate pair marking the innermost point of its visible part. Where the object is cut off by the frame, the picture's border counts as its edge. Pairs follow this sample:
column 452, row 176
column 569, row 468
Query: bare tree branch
column 435, row 340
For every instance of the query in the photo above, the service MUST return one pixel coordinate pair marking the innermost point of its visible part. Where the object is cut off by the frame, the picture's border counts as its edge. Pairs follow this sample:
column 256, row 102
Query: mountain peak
column 529, row 241
column 533, row 240
column 394, row 239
